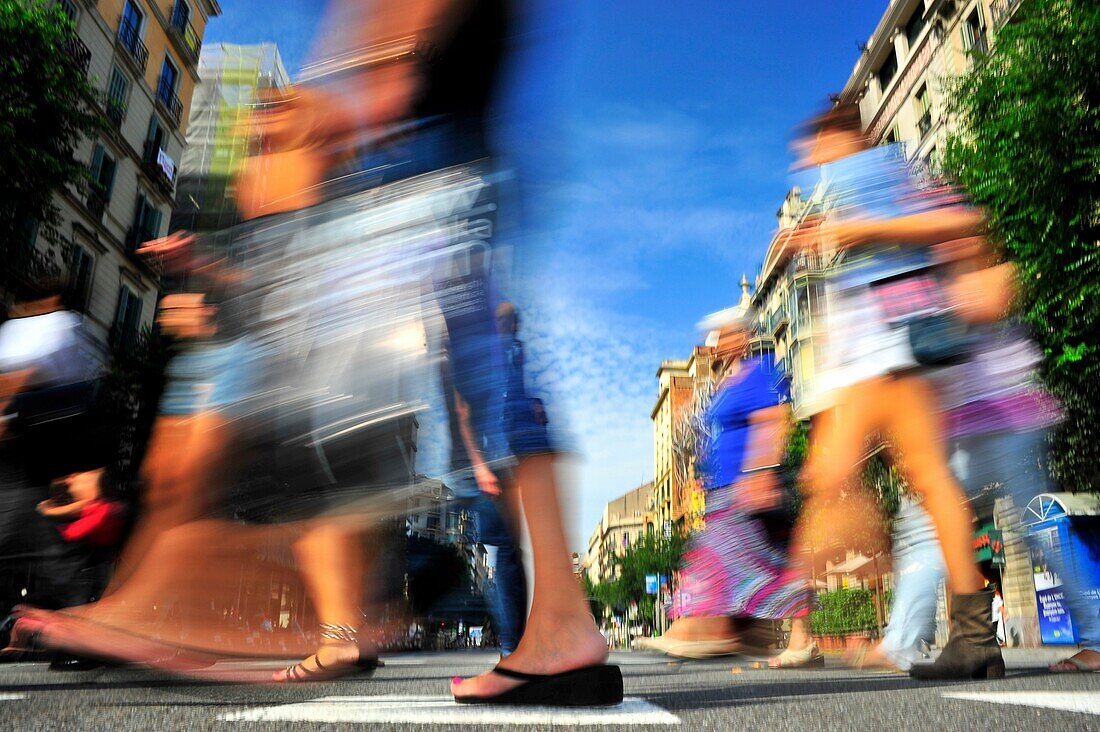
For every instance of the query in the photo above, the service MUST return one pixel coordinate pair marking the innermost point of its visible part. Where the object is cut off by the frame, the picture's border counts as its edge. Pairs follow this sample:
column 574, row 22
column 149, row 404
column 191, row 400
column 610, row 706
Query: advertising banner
column 1055, row 623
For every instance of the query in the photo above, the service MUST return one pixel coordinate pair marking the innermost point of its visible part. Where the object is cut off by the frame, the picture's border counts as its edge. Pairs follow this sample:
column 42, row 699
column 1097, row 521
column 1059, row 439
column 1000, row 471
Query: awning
column 851, row 566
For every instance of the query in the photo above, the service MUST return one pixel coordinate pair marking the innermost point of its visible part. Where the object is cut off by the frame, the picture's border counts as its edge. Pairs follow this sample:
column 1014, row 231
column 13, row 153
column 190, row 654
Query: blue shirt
column 758, row 386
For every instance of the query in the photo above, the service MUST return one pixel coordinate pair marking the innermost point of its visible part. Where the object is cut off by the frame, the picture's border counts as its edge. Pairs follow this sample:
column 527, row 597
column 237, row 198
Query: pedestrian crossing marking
column 1080, row 702
column 402, row 709
column 11, row 697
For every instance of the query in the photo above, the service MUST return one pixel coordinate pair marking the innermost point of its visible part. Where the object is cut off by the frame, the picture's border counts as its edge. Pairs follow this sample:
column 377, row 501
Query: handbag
column 939, row 339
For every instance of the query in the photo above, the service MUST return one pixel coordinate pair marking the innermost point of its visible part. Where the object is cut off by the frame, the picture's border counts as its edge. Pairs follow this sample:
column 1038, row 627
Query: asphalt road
column 411, row 693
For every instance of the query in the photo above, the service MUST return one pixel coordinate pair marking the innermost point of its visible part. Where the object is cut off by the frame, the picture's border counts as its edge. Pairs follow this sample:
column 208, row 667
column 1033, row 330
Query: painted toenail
column 457, row 680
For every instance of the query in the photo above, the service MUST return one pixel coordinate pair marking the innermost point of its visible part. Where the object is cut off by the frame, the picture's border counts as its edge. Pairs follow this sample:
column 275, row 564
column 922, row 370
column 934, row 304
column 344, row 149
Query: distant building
column 623, row 522
column 231, row 78
column 790, row 307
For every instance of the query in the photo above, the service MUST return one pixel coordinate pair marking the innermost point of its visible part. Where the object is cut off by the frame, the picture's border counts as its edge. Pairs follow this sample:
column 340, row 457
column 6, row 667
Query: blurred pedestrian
column 885, row 229
column 738, row 569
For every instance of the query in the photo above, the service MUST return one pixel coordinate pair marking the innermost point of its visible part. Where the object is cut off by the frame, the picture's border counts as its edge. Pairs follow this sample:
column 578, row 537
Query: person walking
column 737, row 570
column 885, row 228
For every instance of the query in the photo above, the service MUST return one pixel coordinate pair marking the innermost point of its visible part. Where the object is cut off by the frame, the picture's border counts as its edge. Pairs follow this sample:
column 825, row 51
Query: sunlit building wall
column 899, row 80
column 217, row 141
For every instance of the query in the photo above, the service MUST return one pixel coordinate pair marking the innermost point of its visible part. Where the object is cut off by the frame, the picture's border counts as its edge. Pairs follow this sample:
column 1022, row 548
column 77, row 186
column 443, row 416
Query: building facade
column 142, row 56
column 624, row 520
column 790, row 306
column 901, row 77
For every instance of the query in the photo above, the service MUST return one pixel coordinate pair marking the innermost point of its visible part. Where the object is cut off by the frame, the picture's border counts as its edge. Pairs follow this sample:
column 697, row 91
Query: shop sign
column 989, row 546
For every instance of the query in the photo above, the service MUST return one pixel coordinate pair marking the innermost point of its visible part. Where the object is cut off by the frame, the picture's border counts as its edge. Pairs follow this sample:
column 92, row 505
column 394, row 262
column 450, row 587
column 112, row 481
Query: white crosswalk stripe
column 1081, row 702
column 11, row 697
column 402, row 709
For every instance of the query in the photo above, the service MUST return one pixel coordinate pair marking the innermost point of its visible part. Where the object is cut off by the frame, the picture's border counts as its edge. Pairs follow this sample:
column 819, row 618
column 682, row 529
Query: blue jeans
column 508, row 605
column 918, row 569
column 1017, row 461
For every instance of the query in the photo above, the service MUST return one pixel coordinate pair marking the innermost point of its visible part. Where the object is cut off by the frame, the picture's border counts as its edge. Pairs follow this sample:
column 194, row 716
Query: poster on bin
column 1055, row 623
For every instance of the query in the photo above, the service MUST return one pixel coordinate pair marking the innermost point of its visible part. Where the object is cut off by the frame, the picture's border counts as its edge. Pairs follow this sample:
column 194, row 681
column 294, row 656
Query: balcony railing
column 166, row 96
column 181, row 26
column 129, row 40
column 1002, row 11
column 150, row 163
column 80, row 53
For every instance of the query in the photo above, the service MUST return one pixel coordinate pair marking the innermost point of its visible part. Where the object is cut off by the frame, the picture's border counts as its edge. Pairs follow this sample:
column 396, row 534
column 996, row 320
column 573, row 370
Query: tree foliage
column 45, row 110
column 1027, row 147
column 652, row 553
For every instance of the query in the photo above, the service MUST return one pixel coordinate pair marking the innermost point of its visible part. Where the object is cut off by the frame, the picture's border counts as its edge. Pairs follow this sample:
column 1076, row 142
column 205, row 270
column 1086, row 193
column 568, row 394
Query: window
column 146, row 221
column 914, row 27
column 127, row 317
column 888, row 70
column 132, row 20
column 118, row 91
column 169, row 77
column 433, row 523
column 103, row 180
column 69, row 8
column 891, row 136
column 80, row 277
column 923, row 102
column 974, row 40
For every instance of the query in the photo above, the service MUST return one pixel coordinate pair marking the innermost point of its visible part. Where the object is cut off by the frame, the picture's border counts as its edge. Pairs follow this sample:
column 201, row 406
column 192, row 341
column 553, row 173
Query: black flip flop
column 593, row 686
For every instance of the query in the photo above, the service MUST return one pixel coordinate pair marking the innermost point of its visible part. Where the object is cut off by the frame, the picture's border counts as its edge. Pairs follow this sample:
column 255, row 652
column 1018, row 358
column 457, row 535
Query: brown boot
column 972, row 652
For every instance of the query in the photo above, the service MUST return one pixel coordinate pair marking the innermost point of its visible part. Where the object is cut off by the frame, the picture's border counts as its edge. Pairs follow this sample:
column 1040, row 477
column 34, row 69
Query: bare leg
column 560, row 634
column 181, row 470
column 330, row 559
column 913, row 419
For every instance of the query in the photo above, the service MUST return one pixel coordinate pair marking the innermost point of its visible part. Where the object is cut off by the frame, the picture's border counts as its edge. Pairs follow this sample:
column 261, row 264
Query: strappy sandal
column 808, row 657
column 592, row 686
column 365, row 665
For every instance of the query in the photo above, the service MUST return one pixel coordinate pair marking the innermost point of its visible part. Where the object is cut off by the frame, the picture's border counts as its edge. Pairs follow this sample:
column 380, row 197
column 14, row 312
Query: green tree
column 651, row 553
column 45, row 110
column 1027, row 148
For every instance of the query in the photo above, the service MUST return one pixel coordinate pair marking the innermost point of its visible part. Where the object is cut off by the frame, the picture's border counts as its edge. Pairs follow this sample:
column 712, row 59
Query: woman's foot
column 1086, row 661
column 546, row 648
column 867, row 657
column 341, row 654
column 798, row 658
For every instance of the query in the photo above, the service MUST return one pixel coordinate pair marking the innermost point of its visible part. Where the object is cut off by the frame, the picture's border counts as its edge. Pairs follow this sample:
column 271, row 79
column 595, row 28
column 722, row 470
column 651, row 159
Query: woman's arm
column 486, row 480
column 930, row 227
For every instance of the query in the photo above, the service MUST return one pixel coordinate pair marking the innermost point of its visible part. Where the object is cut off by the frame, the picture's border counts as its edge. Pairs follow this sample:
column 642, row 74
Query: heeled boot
column 972, row 652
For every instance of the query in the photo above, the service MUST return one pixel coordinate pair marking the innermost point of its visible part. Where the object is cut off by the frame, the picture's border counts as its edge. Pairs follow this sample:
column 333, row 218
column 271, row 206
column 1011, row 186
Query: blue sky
column 651, row 142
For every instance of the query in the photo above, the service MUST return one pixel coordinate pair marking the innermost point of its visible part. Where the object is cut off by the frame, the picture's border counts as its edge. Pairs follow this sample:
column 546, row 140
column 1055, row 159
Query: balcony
column 156, row 164
column 166, row 97
column 185, row 32
column 1002, row 11
column 80, row 53
column 128, row 39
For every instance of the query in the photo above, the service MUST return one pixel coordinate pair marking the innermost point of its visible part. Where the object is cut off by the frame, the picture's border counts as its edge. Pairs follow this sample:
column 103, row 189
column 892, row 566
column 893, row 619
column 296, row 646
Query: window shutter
column 97, row 161
column 110, row 184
